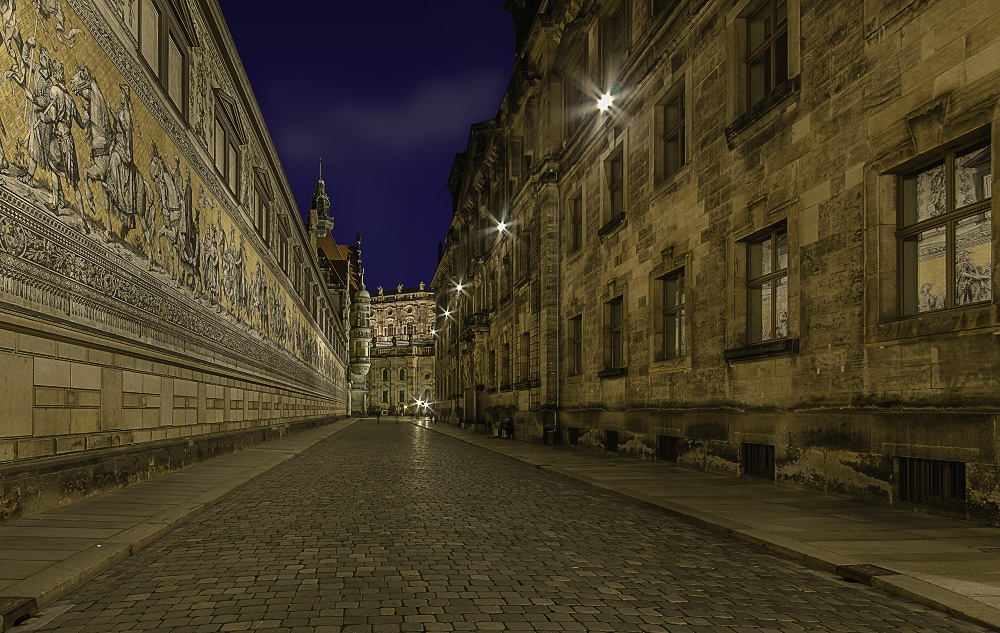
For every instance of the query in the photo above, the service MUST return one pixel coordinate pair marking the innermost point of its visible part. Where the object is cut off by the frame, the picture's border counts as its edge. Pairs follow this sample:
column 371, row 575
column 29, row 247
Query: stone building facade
column 769, row 255
column 160, row 299
column 402, row 358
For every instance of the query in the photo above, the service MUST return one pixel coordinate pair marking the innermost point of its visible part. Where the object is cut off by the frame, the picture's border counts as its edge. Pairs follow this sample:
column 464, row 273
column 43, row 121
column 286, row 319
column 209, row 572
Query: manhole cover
column 15, row 610
column 863, row 573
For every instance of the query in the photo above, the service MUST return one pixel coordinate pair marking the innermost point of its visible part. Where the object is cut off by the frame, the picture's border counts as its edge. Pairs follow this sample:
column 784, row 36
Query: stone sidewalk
column 46, row 555
column 946, row 564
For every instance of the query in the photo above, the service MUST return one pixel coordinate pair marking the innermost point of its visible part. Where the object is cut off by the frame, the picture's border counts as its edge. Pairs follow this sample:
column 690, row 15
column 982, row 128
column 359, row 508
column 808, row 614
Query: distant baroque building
column 402, row 364
column 768, row 253
column 160, row 299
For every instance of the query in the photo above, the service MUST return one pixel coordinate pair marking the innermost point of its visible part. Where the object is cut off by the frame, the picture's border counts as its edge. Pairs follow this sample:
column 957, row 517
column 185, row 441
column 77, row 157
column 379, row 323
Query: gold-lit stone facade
column 402, row 350
column 155, row 279
column 771, row 256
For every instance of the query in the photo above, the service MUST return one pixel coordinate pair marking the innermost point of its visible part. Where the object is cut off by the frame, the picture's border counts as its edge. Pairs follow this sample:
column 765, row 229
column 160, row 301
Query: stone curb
column 898, row 584
column 49, row 585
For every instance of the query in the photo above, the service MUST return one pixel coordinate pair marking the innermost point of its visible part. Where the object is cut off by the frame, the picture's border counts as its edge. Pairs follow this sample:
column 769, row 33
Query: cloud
column 439, row 109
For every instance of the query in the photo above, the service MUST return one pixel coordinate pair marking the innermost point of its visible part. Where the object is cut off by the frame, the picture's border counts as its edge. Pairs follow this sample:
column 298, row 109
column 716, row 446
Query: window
column 767, row 49
column 164, row 46
column 505, row 367
column 576, row 345
column 385, row 396
column 614, row 175
column 614, row 356
column 524, row 254
column 576, row 102
column 673, row 318
column 402, row 374
column 767, row 287
column 576, row 223
column 263, row 197
column 385, row 375
column 228, row 138
column 944, row 235
column 402, row 396
column 671, row 137
column 613, row 45
column 507, row 277
column 525, row 356
column 493, row 368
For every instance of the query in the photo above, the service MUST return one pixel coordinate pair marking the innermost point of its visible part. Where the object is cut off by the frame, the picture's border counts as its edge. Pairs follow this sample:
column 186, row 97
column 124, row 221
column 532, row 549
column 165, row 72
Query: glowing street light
column 605, row 102
column 447, row 313
column 458, row 288
column 502, row 226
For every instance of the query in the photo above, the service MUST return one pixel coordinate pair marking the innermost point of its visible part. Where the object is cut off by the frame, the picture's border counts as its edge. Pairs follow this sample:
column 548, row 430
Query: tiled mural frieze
column 109, row 214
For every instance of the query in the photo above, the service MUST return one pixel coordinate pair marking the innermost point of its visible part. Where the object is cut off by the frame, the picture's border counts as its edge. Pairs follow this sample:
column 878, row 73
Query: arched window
column 402, row 374
column 385, row 374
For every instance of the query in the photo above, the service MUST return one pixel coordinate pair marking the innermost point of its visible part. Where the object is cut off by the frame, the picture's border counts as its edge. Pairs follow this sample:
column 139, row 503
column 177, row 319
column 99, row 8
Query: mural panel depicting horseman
column 82, row 145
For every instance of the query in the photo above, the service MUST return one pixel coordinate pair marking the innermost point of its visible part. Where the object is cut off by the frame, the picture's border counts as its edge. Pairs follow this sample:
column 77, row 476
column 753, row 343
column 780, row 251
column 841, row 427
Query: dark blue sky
column 385, row 93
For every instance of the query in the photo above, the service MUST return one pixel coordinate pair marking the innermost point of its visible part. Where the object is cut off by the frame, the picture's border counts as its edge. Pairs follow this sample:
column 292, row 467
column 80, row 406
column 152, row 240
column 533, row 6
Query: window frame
column 576, row 219
column 770, row 47
column 575, row 342
column 170, row 27
column 772, row 277
column 948, row 220
column 524, row 364
column 611, row 184
column 661, row 164
column 232, row 142
column 664, row 311
column 615, row 360
column 614, row 42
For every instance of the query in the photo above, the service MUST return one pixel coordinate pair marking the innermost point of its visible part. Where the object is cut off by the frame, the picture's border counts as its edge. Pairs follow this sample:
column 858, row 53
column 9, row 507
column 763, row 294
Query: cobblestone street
column 394, row 527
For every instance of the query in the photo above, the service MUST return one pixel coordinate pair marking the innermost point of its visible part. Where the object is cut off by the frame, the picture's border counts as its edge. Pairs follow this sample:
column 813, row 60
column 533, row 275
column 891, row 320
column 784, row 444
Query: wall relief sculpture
column 106, row 210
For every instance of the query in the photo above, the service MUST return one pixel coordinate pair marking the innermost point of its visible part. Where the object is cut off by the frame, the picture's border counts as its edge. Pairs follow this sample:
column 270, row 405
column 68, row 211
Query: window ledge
column 936, row 323
column 491, row 390
column 762, row 107
column 613, row 372
column 504, row 387
column 780, row 347
column 611, row 225
column 523, row 280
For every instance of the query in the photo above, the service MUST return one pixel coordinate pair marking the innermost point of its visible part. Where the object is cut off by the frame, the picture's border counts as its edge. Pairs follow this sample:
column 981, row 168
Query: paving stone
column 398, row 528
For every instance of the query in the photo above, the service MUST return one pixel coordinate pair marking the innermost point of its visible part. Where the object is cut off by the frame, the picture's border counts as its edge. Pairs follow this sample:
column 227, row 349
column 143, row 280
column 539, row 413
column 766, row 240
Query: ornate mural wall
column 113, row 220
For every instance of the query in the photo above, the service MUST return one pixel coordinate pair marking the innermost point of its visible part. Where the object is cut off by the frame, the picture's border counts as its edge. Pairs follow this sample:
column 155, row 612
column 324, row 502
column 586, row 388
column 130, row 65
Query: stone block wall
column 850, row 390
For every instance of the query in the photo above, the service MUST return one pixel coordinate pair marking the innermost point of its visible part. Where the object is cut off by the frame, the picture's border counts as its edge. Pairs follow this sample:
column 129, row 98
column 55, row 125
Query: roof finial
column 321, row 169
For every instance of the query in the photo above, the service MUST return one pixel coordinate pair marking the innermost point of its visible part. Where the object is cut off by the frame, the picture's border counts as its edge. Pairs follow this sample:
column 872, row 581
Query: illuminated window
column 767, row 286
column 945, row 232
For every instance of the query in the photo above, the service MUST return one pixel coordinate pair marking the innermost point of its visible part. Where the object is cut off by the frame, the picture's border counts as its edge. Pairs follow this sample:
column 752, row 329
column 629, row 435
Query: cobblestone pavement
column 392, row 527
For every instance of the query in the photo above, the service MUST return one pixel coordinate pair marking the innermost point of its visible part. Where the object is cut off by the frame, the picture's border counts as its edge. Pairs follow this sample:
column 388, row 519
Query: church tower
column 320, row 221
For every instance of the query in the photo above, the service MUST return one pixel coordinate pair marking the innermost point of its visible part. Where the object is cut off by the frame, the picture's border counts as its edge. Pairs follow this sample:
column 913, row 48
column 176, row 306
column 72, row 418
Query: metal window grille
column 931, row 482
column 758, row 460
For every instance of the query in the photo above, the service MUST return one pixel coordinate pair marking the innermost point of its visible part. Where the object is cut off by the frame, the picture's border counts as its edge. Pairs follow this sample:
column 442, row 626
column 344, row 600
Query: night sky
column 383, row 92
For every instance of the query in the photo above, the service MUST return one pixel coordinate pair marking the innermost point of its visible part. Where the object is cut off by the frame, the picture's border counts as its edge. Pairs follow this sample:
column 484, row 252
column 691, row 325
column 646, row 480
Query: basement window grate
column 667, row 448
column 611, row 441
column 758, row 460
column 931, row 482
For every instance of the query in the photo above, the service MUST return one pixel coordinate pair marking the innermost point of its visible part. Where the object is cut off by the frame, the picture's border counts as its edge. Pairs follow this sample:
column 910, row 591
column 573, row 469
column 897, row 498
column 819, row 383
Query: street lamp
column 605, row 102
column 501, row 226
